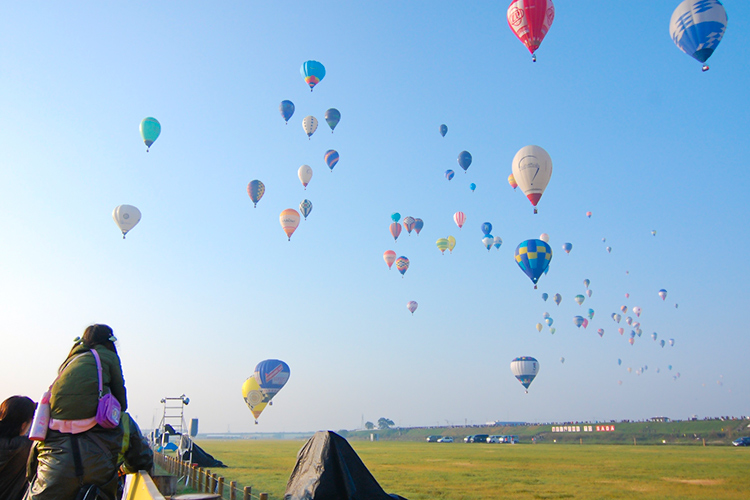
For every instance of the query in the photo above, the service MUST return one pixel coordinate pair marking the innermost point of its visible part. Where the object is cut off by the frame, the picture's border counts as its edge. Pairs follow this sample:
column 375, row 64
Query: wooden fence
column 202, row 480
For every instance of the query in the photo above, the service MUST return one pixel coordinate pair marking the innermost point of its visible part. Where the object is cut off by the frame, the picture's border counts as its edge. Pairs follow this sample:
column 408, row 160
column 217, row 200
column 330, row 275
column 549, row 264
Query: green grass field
column 421, row 471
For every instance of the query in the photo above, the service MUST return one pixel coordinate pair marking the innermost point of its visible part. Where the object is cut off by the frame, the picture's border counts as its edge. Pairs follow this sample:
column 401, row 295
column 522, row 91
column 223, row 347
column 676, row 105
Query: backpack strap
column 98, row 369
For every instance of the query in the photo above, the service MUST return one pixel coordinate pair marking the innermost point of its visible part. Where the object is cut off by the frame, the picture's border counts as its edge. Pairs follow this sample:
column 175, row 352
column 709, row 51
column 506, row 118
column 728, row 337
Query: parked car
column 743, row 441
column 433, row 439
column 495, row 439
column 445, row 439
column 476, row 438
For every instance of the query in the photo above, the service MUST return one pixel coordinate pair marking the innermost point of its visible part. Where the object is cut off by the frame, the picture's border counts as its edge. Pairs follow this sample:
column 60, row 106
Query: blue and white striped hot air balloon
column 697, row 27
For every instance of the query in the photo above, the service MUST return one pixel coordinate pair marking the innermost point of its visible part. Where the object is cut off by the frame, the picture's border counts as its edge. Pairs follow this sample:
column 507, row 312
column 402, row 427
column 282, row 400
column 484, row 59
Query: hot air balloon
column 624, row 309
column 442, row 245
column 567, row 247
column 671, row 342
column 585, row 323
column 289, row 219
column 562, row 360
column 538, row 327
column 309, row 125
column 588, row 293
column 545, row 315
column 619, row 361
column 464, row 160
column 409, row 224
column 418, row 225
column 126, row 217
column 487, row 241
column 533, row 257
column 530, row 20
column 663, row 294
column 586, row 282
column 588, row 214
column 600, row 331
column 443, row 129
column 532, row 169
column 390, row 257
column 512, row 182
column 591, row 314
column 332, row 158
column 497, row 242
column 662, row 343
column 637, row 311
column 627, row 295
column 253, row 397
column 255, row 190
column 449, row 174
column 395, row 229
column 552, row 330
column 697, row 26
column 544, row 237
column 545, row 296
column 472, row 186
column 305, row 174
column 451, row 243
column 654, row 335
column 617, row 318
column 578, row 321
column 525, row 369
column 305, row 207
column 653, row 233
column 459, row 218
column 402, row 264
column 395, row 216
column 286, row 108
column 486, row 228
column 631, row 341
column 412, row 306
column 609, row 249
column 150, row 130
column 271, row 375
column 332, row 117
column 313, row 72
column 579, row 299
column 549, row 321
column 557, row 298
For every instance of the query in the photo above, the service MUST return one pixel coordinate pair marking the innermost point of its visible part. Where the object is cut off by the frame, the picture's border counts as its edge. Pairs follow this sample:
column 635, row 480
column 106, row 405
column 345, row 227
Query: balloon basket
column 535, row 210
column 705, row 68
column 533, row 58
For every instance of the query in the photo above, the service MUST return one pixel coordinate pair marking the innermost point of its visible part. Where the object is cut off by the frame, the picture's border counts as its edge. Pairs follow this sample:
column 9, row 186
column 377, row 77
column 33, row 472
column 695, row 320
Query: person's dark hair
column 94, row 335
column 14, row 412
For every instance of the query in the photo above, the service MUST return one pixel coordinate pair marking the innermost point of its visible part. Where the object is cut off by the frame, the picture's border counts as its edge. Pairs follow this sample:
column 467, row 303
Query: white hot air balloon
column 544, row 237
column 532, row 169
column 525, row 370
column 126, row 217
column 305, row 174
column 310, row 125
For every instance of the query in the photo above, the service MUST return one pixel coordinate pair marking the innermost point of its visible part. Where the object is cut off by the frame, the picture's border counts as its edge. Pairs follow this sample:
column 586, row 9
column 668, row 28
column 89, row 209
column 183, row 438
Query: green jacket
column 75, row 394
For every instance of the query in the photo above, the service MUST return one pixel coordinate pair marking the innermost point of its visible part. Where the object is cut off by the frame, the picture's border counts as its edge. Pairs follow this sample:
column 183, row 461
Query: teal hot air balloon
column 472, row 186
column 313, row 72
column 443, row 129
column 533, row 257
column 305, row 207
column 464, row 160
column 333, row 116
column 395, row 217
column 286, row 108
column 150, row 130
column 256, row 189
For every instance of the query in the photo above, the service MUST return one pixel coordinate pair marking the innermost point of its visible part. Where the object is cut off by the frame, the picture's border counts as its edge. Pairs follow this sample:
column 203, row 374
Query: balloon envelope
column 443, row 129
column 449, row 174
column 271, row 375
column 545, row 296
column 305, row 173
column 512, row 182
column 305, row 207
column 530, row 20
column 289, row 220
column 472, row 186
column 451, row 243
column 255, row 190
column 412, row 306
column 498, row 241
column 313, row 72
column 663, row 294
column 459, row 218
column 418, row 225
column 395, row 216
column 567, row 247
column 532, row 169
column 395, row 229
column 402, row 264
column 464, row 160
column 309, row 125
column 442, row 244
column 390, row 257
column 578, row 321
column 697, row 27
column 150, row 130
column 579, row 299
column 332, row 117
column 487, row 241
column 533, row 257
column 286, row 108
column 544, row 237
column 332, row 158
column 557, row 299
column 126, row 217
column 525, row 369
column 409, row 223
column 486, row 228
column 253, row 397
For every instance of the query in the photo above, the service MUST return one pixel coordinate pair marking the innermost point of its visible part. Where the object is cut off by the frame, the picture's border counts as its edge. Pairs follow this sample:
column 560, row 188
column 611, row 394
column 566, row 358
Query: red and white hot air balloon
column 390, row 257
column 530, row 20
column 459, row 218
column 532, row 168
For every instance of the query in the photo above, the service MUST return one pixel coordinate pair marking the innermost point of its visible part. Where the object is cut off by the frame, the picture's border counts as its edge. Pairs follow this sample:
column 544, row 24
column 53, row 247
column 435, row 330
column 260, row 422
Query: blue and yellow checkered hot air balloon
column 533, row 257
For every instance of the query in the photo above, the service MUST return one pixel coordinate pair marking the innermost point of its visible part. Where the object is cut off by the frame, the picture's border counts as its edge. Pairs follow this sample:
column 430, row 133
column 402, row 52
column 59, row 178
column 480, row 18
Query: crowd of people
column 79, row 454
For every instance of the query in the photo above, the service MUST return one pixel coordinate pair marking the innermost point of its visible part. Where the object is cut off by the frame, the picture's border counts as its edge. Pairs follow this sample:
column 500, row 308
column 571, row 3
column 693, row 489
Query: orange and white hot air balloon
column 390, row 257
column 289, row 219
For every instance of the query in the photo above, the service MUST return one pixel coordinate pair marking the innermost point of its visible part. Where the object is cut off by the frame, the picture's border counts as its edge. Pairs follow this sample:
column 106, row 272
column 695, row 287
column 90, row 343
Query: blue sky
column 206, row 286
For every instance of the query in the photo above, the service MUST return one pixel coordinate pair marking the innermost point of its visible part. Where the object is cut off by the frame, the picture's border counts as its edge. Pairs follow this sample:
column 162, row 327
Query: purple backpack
column 108, row 410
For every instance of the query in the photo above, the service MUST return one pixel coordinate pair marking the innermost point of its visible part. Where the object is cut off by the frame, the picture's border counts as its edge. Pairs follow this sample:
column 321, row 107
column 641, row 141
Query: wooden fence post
column 232, row 490
column 263, row 496
column 221, row 487
column 246, row 493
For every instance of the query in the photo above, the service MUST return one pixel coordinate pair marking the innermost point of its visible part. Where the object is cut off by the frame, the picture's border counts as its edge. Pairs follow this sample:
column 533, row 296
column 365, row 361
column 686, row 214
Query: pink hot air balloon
column 588, row 214
column 585, row 322
column 600, row 331
column 459, row 218
column 395, row 230
column 530, row 20
column 620, row 330
column 412, row 306
column 289, row 219
column 390, row 257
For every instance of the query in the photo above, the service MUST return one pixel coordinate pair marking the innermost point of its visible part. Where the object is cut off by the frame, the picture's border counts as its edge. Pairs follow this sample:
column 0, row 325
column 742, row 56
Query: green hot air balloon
column 332, row 118
column 150, row 130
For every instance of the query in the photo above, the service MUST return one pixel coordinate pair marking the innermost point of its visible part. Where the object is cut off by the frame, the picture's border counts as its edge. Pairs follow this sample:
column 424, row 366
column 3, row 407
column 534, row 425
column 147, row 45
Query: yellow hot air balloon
column 289, row 219
column 451, row 243
column 253, row 397
column 442, row 245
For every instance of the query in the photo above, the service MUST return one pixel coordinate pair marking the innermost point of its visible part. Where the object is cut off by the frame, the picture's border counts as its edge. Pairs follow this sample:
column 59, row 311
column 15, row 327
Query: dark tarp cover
column 329, row 469
column 201, row 457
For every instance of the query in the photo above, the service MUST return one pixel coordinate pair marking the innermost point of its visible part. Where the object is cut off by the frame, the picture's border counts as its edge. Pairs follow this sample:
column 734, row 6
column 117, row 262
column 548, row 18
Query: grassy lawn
column 421, row 471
